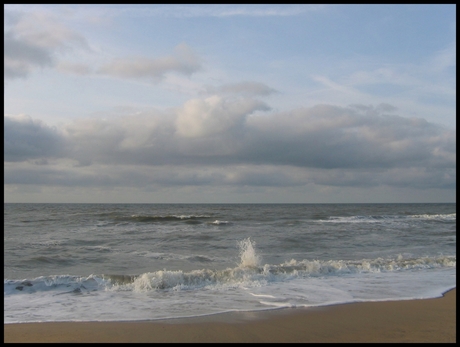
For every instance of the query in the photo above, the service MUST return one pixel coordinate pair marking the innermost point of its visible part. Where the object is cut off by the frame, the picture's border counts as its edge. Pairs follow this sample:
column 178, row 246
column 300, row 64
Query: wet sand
column 427, row 320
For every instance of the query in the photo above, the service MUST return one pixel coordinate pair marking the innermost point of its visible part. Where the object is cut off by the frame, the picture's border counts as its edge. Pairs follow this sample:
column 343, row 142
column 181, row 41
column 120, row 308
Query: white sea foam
column 166, row 217
column 220, row 222
column 247, row 274
column 388, row 218
column 144, row 303
column 450, row 216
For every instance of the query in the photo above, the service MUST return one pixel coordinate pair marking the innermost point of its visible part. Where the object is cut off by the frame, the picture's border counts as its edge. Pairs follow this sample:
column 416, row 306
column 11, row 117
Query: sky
column 229, row 103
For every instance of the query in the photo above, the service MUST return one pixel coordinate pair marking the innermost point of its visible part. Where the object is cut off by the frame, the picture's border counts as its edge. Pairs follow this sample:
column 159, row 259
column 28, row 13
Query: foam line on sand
column 427, row 320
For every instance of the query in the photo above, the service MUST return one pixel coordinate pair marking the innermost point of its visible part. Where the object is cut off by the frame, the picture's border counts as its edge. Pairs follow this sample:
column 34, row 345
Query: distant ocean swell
column 187, row 219
column 115, row 217
column 198, row 219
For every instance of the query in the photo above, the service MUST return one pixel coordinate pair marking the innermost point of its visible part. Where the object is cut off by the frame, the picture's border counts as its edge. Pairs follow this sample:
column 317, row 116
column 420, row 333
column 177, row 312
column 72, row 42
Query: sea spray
column 248, row 256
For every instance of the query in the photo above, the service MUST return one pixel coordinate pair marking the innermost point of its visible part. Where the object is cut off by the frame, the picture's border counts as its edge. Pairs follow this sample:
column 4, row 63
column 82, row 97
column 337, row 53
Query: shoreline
column 421, row 320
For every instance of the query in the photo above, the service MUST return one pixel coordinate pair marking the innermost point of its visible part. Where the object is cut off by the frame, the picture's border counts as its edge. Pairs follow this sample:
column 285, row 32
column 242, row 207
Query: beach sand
column 427, row 320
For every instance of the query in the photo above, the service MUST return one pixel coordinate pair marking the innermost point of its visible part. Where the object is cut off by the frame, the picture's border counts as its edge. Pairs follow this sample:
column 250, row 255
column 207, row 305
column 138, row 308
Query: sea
column 137, row 262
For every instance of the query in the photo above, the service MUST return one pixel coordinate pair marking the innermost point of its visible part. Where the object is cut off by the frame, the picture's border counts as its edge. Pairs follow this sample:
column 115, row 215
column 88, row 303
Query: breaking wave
column 249, row 272
column 389, row 218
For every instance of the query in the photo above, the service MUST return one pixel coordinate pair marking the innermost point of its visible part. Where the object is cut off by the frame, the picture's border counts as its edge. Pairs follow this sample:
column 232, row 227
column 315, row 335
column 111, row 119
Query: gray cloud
column 78, row 69
column 225, row 141
column 35, row 40
column 249, row 89
column 56, row 177
column 183, row 61
column 32, row 41
column 335, row 137
column 26, row 139
column 20, row 57
column 243, row 176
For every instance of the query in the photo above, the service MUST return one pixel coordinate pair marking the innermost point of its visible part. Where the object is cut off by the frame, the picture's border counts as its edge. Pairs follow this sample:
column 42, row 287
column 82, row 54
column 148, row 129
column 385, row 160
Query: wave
column 166, row 218
column 249, row 273
column 220, row 222
column 442, row 217
column 390, row 218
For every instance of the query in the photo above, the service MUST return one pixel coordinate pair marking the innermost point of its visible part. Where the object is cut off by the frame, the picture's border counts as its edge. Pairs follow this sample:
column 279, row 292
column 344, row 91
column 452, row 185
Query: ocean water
column 123, row 262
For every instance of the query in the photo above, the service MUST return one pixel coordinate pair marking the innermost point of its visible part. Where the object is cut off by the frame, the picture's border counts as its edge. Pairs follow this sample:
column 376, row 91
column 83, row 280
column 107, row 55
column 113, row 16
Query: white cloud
column 214, row 116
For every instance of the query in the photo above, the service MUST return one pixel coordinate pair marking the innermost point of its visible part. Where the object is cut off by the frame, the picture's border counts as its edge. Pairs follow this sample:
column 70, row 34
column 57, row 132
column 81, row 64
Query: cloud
column 215, row 116
column 214, row 10
column 445, row 58
column 45, row 30
column 52, row 176
column 74, row 68
column 21, row 57
column 258, row 10
column 26, row 139
column 35, row 40
column 183, row 61
column 329, row 137
column 224, row 141
column 249, row 89
column 32, row 40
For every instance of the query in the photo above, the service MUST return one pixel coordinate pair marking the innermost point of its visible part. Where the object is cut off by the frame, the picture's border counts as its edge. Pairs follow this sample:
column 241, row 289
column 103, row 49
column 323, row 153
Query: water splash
column 248, row 256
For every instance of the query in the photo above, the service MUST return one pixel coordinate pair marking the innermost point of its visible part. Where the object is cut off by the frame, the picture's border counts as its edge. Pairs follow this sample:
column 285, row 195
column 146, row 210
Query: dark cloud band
column 330, row 145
